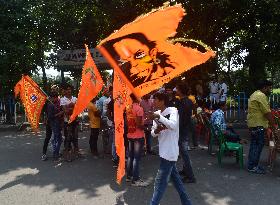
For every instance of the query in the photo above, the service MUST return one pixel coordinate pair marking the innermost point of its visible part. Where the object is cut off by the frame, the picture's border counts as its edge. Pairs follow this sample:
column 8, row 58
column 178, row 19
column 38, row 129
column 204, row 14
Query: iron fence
column 237, row 108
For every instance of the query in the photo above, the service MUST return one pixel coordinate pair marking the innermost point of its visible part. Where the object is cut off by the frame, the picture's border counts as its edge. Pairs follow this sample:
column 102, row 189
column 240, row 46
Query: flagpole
column 48, row 99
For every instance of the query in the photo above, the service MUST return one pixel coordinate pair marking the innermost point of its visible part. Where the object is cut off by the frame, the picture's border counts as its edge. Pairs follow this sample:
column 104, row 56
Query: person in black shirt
column 55, row 120
column 173, row 102
column 184, row 107
column 111, row 128
column 48, row 122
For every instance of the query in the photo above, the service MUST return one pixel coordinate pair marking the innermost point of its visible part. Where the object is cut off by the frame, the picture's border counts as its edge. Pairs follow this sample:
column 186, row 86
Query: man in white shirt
column 214, row 91
column 70, row 130
column 101, row 104
column 223, row 89
column 108, row 108
column 166, row 128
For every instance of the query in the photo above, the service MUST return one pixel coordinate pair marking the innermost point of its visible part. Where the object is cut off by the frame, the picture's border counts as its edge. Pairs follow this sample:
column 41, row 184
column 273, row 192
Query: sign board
column 76, row 58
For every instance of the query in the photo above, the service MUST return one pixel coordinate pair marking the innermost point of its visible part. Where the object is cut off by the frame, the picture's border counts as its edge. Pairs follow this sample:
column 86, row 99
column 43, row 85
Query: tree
column 29, row 28
column 22, row 44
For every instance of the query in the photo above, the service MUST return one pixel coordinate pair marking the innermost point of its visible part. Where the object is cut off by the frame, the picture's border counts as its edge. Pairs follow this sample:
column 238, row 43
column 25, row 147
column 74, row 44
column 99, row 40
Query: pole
column 15, row 113
column 62, row 76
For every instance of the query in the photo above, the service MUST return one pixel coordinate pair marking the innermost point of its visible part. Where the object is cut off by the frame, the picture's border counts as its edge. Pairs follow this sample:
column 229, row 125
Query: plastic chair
column 229, row 146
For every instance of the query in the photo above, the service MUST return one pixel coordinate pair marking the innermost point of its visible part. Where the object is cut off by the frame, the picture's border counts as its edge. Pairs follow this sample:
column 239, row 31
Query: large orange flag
column 121, row 99
column 33, row 99
column 144, row 55
column 91, row 85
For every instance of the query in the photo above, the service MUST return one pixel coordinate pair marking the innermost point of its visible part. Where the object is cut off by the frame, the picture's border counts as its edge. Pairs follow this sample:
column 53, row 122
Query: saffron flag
column 144, row 55
column 121, row 99
column 91, row 85
column 33, row 99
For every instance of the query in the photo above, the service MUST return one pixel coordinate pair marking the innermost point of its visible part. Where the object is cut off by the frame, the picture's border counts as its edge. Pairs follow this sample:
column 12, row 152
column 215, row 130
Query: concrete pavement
column 25, row 179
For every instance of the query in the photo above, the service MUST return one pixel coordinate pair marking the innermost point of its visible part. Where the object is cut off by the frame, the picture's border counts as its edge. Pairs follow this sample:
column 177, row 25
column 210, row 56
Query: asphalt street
column 26, row 180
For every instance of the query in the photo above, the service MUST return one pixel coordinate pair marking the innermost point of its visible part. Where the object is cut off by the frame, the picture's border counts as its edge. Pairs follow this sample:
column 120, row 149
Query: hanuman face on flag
column 146, row 52
column 139, row 58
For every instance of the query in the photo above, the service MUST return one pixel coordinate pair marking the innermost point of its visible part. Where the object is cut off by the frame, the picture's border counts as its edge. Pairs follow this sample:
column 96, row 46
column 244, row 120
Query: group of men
column 152, row 116
column 218, row 91
column 163, row 115
column 58, row 111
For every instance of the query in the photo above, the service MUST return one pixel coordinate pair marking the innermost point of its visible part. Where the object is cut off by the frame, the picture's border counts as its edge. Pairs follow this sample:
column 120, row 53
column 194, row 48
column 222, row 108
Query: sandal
column 257, row 170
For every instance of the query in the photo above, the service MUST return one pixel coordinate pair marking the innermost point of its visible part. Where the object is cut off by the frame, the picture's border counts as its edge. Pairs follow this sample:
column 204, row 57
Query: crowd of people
column 173, row 115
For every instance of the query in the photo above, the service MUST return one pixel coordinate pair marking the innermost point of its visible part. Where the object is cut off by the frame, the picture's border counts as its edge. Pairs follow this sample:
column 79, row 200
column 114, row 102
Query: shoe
column 202, row 147
column 256, row 170
column 44, row 157
column 68, row 156
column 56, row 159
column 188, row 180
column 128, row 179
column 243, row 141
column 194, row 147
column 115, row 163
column 261, row 168
column 139, row 183
column 95, row 155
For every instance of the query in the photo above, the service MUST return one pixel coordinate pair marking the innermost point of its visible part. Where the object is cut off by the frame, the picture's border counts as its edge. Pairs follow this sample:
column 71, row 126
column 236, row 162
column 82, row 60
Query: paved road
column 26, row 180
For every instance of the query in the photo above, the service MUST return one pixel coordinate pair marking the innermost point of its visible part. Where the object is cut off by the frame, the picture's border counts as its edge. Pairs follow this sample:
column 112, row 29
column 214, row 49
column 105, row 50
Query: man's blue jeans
column 256, row 146
column 57, row 138
column 111, row 133
column 166, row 171
column 183, row 148
column 135, row 149
column 148, row 137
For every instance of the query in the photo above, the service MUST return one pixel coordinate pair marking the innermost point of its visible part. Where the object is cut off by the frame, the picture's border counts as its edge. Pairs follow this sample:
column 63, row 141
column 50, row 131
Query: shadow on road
column 95, row 178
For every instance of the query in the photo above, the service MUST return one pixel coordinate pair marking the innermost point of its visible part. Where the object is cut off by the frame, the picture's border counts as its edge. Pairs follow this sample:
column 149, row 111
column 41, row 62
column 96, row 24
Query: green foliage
column 29, row 28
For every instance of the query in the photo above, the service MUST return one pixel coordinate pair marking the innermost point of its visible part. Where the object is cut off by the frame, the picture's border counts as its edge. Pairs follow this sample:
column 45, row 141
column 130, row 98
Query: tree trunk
column 256, row 61
column 41, row 57
column 44, row 77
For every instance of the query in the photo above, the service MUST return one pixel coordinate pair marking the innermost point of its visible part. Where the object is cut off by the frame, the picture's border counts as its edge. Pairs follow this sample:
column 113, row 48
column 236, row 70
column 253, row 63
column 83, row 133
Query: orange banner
column 91, row 85
column 32, row 98
column 121, row 99
column 145, row 56
column 17, row 88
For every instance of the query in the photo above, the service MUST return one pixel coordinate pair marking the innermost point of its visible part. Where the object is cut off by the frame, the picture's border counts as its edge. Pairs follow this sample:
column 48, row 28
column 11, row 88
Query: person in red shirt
column 147, row 105
column 135, row 135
